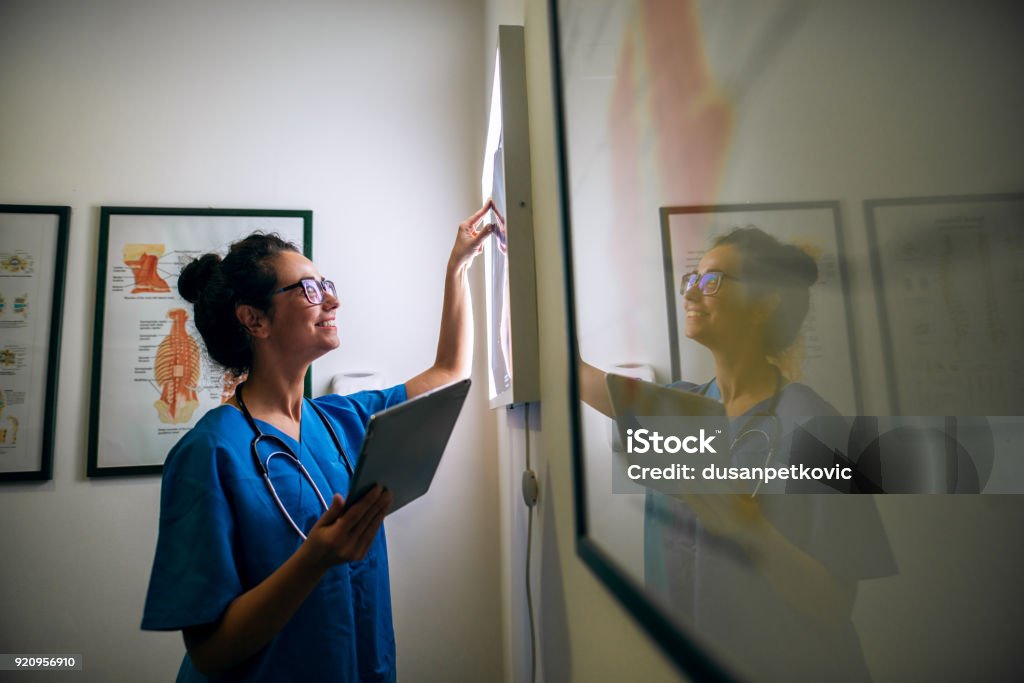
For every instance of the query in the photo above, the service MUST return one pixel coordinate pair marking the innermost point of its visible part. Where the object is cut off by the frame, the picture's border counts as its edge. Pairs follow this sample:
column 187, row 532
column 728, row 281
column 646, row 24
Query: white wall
column 371, row 115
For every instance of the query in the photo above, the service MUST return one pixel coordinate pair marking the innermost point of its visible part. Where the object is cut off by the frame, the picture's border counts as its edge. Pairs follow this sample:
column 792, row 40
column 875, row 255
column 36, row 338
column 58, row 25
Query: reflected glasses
column 708, row 283
column 313, row 289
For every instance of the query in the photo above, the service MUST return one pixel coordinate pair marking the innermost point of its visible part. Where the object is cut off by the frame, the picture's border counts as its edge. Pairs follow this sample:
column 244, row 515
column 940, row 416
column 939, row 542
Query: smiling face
column 296, row 327
column 727, row 317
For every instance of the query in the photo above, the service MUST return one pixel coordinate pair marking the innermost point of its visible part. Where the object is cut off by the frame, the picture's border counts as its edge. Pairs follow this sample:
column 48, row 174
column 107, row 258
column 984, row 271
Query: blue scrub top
column 221, row 534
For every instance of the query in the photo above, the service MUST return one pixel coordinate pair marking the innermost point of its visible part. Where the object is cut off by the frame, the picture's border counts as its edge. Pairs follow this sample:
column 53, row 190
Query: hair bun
column 804, row 268
column 196, row 275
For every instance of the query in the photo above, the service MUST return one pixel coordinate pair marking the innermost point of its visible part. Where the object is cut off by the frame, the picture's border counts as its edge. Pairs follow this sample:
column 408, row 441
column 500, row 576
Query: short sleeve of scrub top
column 221, row 534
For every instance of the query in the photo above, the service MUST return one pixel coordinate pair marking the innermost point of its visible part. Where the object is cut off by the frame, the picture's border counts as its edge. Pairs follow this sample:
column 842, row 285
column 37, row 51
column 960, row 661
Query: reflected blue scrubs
column 221, row 534
column 711, row 585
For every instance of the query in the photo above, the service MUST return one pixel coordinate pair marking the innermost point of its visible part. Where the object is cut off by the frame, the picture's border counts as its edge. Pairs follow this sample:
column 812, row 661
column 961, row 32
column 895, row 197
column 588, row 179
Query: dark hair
column 769, row 266
column 216, row 286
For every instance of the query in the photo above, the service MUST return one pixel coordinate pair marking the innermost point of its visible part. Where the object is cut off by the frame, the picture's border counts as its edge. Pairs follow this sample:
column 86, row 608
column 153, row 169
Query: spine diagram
column 9, row 434
column 177, row 372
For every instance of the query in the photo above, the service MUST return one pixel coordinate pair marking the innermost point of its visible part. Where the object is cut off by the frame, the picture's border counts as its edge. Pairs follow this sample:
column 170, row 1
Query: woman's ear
column 253, row 320
column 766, row 307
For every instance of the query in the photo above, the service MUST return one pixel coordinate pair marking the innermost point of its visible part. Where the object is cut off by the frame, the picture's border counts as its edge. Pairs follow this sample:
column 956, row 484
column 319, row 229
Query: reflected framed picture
column 948, row 286
column 33, row 259
column 152, row 379
column 823, row 355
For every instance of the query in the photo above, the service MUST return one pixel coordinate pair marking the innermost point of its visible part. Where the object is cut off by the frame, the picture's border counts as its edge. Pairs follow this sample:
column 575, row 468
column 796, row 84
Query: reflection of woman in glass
column 747, row 570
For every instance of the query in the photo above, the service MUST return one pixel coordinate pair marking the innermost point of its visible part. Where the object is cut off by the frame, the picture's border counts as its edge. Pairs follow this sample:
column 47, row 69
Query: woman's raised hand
column 469, row 241
column 345, row 535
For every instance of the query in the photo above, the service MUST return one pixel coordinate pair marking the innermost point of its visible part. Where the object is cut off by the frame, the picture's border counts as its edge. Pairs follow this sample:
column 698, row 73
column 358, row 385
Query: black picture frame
column 138, row 229
column 56, row 257
column 680, row 647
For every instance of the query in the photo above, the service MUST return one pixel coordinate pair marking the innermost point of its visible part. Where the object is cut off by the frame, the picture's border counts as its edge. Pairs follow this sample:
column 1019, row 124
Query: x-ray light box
column 511, row 289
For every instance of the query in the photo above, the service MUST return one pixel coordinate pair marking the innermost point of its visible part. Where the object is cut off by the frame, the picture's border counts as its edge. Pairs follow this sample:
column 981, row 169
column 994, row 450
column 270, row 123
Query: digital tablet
column 631, row 398
column 404, row 444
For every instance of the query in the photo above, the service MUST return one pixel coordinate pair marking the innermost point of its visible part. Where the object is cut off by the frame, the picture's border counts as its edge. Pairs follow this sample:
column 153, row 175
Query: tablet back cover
column 404, row 444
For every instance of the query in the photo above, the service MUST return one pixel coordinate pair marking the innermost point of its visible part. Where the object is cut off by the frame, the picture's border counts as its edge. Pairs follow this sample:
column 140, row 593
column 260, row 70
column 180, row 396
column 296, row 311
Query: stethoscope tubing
column 263, row 467
column 273, row 491
column 771, row 413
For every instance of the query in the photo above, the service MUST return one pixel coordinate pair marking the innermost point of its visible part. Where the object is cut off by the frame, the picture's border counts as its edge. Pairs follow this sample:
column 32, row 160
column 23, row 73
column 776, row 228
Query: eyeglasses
column 708, row 283
column 313, row 289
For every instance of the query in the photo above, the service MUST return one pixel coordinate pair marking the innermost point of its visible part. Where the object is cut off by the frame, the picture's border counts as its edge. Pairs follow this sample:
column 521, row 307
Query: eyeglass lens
column 708, row 282
column 314, row 290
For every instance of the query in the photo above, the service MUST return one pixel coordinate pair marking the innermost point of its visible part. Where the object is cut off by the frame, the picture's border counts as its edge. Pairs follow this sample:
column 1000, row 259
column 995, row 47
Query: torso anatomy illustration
column 176, row 370
column 9, row 432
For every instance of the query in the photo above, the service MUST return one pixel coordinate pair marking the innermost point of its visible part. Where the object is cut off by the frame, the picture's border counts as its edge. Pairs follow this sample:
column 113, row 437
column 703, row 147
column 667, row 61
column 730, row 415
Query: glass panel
column 869, row 329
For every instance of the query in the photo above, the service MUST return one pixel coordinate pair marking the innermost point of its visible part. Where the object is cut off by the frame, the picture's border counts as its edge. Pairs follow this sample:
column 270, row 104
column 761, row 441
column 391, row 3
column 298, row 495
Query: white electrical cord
column 529, row 544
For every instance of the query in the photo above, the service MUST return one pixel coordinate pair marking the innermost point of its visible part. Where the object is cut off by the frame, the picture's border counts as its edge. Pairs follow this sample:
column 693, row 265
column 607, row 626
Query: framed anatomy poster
column 152, row 379
column 33, row 257
column 949, row 281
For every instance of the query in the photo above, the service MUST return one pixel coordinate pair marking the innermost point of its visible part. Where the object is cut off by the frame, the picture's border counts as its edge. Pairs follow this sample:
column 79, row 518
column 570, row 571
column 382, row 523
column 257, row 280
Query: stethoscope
column 263, row 466
column 772, row 439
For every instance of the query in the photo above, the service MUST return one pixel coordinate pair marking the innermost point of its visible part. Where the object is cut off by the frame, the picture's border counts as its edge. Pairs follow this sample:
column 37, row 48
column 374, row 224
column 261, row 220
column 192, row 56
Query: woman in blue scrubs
column 282, row 590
